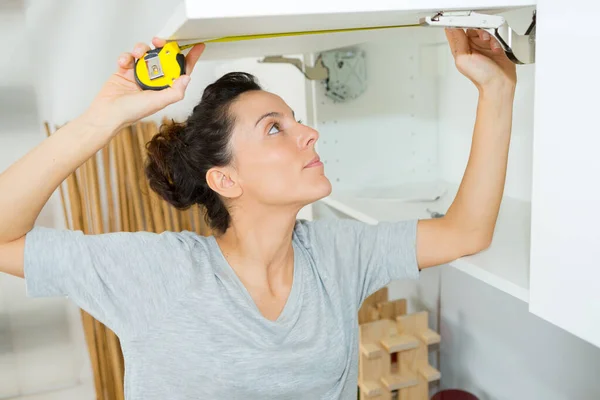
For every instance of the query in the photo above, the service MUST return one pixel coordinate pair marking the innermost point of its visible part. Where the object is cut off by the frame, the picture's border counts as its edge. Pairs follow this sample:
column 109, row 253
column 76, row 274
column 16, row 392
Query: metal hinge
column 518, row 48
column 317, row 73
column 341, row 71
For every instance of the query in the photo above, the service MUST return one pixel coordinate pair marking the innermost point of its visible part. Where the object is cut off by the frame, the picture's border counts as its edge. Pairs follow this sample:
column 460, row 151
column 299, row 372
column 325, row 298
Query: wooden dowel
column 176, row 219
column 197, row 219
column 75, row 202
column 186, row 220
column 136, row 202
column 122, row 185
column 133, row 226
column 94, row 200
column 168, row 217
column 139, row 151
column 106, row 162
column 83, row 194
column 149, row 131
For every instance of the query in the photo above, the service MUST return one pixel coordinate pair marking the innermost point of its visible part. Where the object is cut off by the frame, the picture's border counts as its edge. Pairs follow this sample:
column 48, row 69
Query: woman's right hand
column 121, row 101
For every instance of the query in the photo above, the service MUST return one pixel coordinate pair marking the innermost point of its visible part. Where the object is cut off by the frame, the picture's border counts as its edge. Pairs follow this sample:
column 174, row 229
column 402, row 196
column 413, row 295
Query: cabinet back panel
column 388, row 135
column 415, row 121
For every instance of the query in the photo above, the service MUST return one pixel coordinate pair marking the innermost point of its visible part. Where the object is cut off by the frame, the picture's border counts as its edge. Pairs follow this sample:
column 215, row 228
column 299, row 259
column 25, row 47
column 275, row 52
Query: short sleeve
column 363, row 258
column 124, row 280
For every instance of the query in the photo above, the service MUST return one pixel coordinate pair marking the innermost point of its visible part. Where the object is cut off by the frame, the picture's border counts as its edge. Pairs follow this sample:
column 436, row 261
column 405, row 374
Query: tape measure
column 158, row 68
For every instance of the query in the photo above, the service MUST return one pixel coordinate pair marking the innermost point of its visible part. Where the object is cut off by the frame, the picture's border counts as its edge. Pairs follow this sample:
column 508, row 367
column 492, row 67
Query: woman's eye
column 274, row 129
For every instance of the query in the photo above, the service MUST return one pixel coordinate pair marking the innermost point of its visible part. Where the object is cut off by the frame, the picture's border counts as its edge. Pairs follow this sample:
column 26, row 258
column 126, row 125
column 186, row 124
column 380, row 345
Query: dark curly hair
column 180, row 154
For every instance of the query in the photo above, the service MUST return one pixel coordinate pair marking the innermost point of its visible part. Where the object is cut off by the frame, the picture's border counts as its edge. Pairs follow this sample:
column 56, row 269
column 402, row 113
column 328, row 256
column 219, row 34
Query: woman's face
column 274, row 155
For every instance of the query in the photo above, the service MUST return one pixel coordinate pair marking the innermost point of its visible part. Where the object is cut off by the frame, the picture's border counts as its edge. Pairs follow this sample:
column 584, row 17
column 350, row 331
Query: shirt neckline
column 287, row 314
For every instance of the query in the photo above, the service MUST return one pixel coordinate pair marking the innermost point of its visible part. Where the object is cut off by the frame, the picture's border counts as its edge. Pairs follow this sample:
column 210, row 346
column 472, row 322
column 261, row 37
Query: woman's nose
column 307, row 136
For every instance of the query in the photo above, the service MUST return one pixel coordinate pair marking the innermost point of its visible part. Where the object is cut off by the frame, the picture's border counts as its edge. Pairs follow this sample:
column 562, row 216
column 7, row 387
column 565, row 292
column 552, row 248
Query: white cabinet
column 398, row 150
column 565, row 245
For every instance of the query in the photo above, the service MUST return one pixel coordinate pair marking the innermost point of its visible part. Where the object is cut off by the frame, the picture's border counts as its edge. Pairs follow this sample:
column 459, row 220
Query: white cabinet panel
column 202, row 21
column 565, row 243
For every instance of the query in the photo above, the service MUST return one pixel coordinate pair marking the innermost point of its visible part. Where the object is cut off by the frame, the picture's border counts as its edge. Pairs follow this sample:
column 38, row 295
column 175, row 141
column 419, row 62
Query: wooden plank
column 391, row 309
column 414, row 361
column 394, row 344
column 370, row 388
column 430, row 337
column 429, row 373
column 370, row 350
column 366, row 311
column 399, row 381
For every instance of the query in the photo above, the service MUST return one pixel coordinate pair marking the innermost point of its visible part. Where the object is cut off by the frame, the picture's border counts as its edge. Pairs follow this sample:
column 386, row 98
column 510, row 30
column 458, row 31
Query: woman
column 266, row 308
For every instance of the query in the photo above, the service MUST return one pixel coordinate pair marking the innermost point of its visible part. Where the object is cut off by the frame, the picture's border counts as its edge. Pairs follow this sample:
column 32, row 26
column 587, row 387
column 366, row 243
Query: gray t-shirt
column 190, row 330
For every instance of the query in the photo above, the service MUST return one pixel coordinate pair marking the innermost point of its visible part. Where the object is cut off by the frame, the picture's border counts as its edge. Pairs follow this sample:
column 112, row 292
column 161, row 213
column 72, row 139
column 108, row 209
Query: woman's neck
column 258, row 245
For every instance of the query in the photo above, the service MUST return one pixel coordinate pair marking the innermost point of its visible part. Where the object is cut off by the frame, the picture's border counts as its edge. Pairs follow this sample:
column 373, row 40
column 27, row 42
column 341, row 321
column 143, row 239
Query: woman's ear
column 223, row 181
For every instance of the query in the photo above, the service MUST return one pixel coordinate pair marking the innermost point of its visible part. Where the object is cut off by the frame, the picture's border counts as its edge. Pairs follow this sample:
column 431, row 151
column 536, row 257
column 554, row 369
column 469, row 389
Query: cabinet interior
column 398, row 151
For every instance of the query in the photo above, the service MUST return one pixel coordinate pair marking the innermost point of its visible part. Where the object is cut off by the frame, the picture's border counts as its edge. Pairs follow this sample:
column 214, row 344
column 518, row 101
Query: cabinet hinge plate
column 519, row 48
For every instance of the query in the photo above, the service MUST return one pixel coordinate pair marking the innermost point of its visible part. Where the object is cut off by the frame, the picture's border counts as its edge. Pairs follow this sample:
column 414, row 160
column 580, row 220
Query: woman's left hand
column 479, row 57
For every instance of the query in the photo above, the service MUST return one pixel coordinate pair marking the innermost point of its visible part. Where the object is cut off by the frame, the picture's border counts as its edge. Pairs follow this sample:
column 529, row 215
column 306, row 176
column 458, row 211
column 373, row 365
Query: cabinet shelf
column 504, row 265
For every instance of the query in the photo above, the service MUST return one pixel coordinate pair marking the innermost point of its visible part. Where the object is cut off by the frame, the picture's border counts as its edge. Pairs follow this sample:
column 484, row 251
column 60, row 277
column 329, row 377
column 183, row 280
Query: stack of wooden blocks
column 394, row 349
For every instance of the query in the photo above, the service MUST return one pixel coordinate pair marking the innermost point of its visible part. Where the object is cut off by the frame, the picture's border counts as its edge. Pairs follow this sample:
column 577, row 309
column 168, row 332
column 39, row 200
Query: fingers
column 192, row 57
column 158, row 42
column 484, row 39
column 478, row 33
column 495, row 46
column 127, row 60
column 157, row 100
column 458, row 41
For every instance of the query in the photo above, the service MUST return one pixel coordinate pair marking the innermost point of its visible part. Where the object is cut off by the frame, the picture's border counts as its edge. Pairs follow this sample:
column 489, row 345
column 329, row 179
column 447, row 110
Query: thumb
column 157, row 100
column 180, row 84
column 176, row 92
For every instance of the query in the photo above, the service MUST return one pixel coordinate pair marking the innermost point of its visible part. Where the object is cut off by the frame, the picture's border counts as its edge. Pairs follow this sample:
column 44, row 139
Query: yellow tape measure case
column 159, row 67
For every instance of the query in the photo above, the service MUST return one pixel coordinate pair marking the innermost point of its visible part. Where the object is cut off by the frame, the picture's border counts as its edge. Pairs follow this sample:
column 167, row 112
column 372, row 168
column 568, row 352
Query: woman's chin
column 319, row 189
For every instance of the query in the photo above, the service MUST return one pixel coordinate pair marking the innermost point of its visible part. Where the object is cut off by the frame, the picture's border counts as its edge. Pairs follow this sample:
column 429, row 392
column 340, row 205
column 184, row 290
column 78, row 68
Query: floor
column 42, row 348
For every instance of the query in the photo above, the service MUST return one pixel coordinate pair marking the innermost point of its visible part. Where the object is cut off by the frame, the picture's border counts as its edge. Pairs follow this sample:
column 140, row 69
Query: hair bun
column 165, row 148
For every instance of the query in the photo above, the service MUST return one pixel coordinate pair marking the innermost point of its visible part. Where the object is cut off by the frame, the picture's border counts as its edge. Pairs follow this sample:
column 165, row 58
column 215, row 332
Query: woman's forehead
column 251, row 106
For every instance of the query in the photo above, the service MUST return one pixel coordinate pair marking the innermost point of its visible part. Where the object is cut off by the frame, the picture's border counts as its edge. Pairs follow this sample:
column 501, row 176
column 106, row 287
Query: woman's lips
column 315, row 162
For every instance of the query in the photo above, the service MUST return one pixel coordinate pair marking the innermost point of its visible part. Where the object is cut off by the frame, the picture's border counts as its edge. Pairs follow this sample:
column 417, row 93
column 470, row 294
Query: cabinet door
column 565, row 237
column 196, row 20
